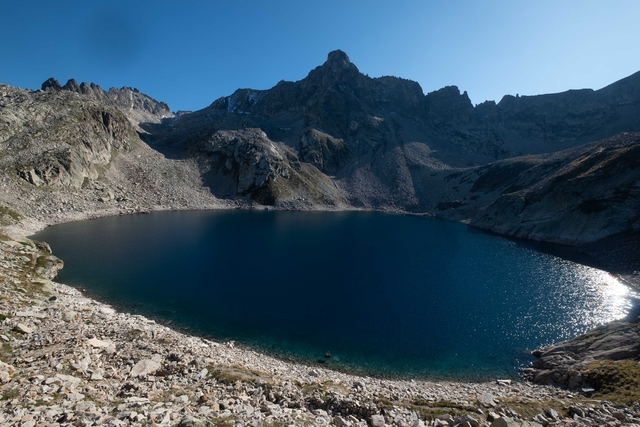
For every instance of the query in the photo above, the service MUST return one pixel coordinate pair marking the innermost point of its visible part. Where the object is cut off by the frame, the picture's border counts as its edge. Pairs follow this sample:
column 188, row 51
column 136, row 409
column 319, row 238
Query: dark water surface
column 385, row 294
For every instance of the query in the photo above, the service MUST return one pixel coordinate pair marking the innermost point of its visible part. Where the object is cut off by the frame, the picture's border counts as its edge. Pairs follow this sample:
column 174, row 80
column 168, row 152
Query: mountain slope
column 338, row 139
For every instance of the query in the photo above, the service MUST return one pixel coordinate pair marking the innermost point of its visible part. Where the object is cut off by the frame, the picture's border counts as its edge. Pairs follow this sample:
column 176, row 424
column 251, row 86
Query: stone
column 377, row 421
column 491, row 416
column 552, row 413
column 144, row 367
column 540, row 418
column 190, row 421
column 486, row 400
column 68, row 316
column 618, row 415
column 577, row 411
column 69, row 379
column 447, row 419
column 82, row 365
column 472, row 421
column 24, row 329
column 96, row 343
column 510, row 422
column 341, row 422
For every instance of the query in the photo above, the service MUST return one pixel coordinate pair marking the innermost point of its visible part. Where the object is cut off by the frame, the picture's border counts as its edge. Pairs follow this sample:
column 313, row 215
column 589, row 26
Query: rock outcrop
column 581, row 195
column 566, row 363
column 58, row 139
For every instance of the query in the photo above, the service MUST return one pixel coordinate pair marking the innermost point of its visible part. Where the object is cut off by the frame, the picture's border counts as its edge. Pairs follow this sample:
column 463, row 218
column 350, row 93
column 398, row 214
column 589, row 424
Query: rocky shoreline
column 68, row 359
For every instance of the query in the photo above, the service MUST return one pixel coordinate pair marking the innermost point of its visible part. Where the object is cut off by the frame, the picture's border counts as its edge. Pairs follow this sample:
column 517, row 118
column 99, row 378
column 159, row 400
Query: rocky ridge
column 138, row 107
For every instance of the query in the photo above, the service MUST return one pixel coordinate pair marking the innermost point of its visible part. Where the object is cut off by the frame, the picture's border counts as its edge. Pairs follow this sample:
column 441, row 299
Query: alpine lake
column 386, row 295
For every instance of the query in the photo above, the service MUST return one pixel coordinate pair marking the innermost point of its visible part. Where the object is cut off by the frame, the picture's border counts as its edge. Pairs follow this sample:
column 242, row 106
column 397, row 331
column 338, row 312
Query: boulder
column 377, row 421
column 144, row 367
column 486, row 400
column 22, row 328
column 511, row 422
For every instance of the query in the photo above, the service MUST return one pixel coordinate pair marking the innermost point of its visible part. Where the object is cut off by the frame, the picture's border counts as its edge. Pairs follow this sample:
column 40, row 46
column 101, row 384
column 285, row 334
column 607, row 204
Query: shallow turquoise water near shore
column 385, row 294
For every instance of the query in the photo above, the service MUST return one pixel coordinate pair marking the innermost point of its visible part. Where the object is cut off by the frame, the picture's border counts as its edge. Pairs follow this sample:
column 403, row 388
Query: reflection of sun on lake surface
column 612, row 298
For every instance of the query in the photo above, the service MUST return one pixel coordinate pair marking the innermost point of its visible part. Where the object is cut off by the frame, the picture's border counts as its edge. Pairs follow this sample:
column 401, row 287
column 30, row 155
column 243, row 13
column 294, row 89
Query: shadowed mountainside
column 526, row 166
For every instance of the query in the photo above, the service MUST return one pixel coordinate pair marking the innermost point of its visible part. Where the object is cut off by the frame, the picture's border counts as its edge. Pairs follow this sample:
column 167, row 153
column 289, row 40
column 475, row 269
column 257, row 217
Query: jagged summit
column 337, row 59
column 141, row 107
column 337, row 69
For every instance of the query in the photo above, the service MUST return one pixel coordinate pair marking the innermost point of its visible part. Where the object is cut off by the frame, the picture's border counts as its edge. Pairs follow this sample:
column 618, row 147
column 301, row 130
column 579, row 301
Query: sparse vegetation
column 529, row 407
column 10, row 394
column 234, row 373
column 9, row 216
column 6, row 352
column 615, row 381
column 132, row 334
column 431, row 410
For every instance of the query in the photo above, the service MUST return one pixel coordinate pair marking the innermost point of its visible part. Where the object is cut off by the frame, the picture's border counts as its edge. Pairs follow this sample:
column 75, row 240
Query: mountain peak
column 338, row 67
column 338, row 57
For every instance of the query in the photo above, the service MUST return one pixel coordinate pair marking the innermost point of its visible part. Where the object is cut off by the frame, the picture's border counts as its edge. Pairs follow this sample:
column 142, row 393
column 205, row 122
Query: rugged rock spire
column 51, row 83
column 337, row 68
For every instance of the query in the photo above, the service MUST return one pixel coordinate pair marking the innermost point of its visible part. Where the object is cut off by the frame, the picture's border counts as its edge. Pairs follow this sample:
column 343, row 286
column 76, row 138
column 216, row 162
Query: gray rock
column 472, row 421
column 190, row 421
column 341, row 422
column 24, row 329
column 144, row 367
column 552, row 413
column 69, row 315
column 486, row 400
column 83, row 364
column 541, row 419
column 377, row 421
column 510, row 422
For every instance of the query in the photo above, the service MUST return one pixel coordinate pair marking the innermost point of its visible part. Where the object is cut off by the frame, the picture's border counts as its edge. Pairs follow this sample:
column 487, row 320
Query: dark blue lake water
column 385, row 294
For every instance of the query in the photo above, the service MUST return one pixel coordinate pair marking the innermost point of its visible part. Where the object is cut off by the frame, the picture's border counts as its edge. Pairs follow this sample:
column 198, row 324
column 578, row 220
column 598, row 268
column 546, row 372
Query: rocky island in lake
column 560, row 168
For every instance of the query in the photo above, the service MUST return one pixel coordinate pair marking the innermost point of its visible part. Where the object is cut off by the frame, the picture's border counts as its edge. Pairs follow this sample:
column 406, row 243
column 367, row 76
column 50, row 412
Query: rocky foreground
column 70, row 360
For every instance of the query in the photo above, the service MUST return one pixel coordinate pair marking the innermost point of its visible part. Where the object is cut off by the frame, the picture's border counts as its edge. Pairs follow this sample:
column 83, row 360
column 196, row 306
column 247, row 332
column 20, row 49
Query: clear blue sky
column 189, row 53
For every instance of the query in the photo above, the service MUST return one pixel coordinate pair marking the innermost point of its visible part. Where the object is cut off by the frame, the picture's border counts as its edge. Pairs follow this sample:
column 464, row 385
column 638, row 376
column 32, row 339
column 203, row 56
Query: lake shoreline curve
column 67, row 357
